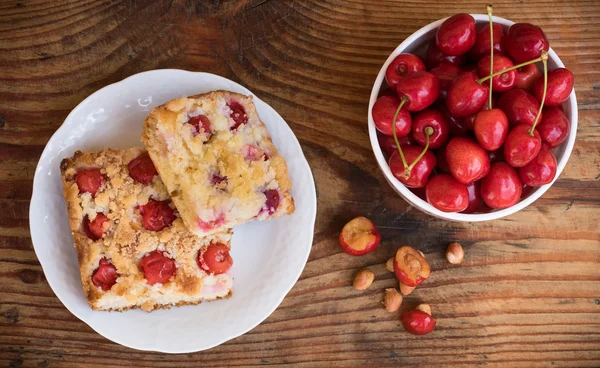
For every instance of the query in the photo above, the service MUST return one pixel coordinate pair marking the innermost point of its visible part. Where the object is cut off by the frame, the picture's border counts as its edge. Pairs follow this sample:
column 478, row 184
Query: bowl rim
column 424, row 206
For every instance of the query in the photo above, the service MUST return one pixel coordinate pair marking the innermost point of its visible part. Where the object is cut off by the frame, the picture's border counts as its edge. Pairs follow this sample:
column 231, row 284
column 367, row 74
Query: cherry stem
column 509, row 69
column 404, row 100
column 428, row 132
column 539, row 113
column 489, row 11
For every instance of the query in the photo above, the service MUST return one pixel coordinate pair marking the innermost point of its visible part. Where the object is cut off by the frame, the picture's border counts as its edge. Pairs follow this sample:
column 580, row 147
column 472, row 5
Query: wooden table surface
column 528, row 292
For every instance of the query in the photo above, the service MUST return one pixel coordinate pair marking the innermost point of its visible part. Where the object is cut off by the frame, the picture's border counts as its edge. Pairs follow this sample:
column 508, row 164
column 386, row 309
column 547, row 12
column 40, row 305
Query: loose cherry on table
column 468, row 162
column 541, row 170
column 401, row 66
column 560, row 85
column 525, row 41
column 384, row 110
column 519, row 106
column 502, row 82
column 521, row 146
column 359, row 237
column 501, row 188
column 447, row 194
column 435, row 57
column 482, row 42
column 420, row 172
column 456, row 35
column 410, row 266
column 526, row 75
column 434, row 119
column 466, row 96
column 418, row 322
column 491, row 128
column 445, row 73
column 553, row 127
column 475, row 200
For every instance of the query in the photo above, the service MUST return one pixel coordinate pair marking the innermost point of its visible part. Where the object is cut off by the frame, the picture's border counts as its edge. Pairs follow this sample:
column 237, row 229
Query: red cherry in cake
column 502, row 82
column 141, row 169
column 157, row 268
column 419, row 89
column 401, row 66
column 156, row 215
column 560, row 85
column 359, row 237
column 445, row 73
column 105, row 276
column 519, row 106
column 253, row 153
column 474, row 197
column 447, row 194
column 520, row 146
column 524, row 42
column 272, row 201
column 501, row 188
column 419, row 175
column 95, row 229
column 468, row 162
column 465, row 95
column 384, row 110
column 211, row 224
column 217, row 179
column 201, row 123
column 238, row 114
column 89, row 181
column 456, row 35
column 541, row 170
column 418, row 322
column 215, row 259
column 491, row 128
column 435, row 57
column 553, row 126
column 526, row 75
column 482, row 44
column 430, row 118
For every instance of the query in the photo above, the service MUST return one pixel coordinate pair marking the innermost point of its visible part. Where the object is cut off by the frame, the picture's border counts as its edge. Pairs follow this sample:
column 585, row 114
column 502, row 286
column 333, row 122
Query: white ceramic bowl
column 417, row 44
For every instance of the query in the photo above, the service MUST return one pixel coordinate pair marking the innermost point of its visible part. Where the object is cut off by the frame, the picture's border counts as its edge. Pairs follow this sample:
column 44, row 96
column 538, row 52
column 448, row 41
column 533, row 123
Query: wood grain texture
column 528, row 293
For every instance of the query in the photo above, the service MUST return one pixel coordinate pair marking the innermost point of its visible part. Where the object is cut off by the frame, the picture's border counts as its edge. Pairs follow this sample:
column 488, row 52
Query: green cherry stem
column 537, row 117
column 489, row 11
column 481, row 80
column 428, row 132
column 402, row 102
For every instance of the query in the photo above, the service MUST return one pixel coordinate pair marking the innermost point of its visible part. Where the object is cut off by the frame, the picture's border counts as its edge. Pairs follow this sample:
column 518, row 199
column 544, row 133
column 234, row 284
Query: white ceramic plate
column 269, row 256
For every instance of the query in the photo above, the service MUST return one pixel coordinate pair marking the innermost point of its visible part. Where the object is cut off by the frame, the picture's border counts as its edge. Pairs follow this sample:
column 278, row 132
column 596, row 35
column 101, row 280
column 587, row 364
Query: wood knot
column 2, row 120
column 30, row 276
column 12, row 315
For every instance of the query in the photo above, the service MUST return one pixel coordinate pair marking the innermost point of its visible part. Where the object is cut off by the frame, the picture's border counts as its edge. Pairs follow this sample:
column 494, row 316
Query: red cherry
column 560, row 85
column 456, row 35
column 526, row 75
column 421, row 89
column 465, row 95
column 491, row 128
column 541, row 170
column 501, row 188
column 496, row 155
column 359, row 237
column 201, row 123
column 401, row 66
column 418, row 322
column 105, row 276
column 502, row 82
column 89, row 181
column 457, row 126
column 156, row 215
column 383, row 112
column 468, row 162
column 157, row 267
column 553, row 126
column 435, row 57
column 430, row 118
column 141, row 169
column 272, row 201
column 238, row 114
column 419, row 175
column 482, row 42
column 447, row 194
column 520, row 147
column 524, row 42
column 214, row 259
column 519, row 106
column 445, row 73
column 474, row 197
column 388, row 145
column 95, row 229
column 526, row 191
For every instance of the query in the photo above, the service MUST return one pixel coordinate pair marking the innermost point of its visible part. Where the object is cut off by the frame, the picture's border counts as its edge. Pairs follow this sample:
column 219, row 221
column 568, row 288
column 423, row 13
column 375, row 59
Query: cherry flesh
column 383, row 112
column 465, row 95
column 456, row 35
column 421, row 89
column 519, row 106
column 501, row 188
column 474, row 197
column 430, row 118
column 524, row 42
column 520, row 147
column 502, row 82
column 526, row 75
column 553, row 126
column 419, row 175
column 482, row 42
column 435, row 57
column 447, row 194
column 401, row 66
column 541, row 170
column 468, row 162
column 491, row 128
column 560, row 85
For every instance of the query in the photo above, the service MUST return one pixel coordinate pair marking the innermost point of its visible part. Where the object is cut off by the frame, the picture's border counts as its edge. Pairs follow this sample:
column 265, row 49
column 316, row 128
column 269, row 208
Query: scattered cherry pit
column 471, row 147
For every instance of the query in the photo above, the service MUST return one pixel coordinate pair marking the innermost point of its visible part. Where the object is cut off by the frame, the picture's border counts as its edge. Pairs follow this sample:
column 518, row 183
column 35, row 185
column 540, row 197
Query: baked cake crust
column 222, row 177
column 125, row 241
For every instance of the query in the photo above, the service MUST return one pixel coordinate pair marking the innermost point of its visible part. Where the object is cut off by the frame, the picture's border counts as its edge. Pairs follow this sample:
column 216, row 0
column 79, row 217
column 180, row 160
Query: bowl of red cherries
column 473, row 117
